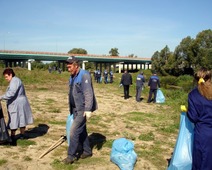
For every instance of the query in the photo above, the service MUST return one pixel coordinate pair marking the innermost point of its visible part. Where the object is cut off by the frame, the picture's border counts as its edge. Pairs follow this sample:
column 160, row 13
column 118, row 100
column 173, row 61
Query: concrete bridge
column 21, row 58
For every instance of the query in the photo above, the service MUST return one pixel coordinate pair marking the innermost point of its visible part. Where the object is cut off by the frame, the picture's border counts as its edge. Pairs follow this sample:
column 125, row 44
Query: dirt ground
column 49, row 109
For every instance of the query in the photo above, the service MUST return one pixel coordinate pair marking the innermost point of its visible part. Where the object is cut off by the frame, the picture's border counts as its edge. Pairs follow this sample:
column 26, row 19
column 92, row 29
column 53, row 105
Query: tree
column 132, row 56
column 202, row 48
column 183, row 57
column 156, row 61
column 77, row 51
column 189, row 55
column 160, row 61
column 114, row 52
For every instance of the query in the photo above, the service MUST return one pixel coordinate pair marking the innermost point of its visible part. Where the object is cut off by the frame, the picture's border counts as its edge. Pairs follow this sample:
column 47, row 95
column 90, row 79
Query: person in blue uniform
column 105, row 76
column 200, row 113
column 111, row 76
column 154, row 84
column 139, row 85
column 98, row 76
column 82, row 102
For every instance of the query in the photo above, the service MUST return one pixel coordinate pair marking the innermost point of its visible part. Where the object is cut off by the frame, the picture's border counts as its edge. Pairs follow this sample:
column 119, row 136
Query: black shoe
column 69, row 160
column 83, row 156
column 22, row 137
column 13, row 142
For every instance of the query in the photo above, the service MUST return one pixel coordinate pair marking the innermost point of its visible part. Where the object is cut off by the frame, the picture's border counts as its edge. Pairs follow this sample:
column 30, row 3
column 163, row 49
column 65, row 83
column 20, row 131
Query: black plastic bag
column 4, row 135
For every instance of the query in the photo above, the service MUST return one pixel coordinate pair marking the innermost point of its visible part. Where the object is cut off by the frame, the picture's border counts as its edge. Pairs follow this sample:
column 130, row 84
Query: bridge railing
column 67, row 54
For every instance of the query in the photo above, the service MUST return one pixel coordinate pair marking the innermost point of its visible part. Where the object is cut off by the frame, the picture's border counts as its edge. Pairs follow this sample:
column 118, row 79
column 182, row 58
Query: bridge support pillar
column 120, row 64
column 29, row 64
column 83, row 64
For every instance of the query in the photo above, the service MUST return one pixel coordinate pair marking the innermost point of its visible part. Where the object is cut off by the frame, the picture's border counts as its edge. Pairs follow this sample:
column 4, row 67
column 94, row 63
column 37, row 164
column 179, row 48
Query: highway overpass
column 14, row 58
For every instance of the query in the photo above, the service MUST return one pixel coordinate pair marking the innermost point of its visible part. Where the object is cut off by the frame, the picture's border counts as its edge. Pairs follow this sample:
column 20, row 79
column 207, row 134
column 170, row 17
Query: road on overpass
column 9, row 56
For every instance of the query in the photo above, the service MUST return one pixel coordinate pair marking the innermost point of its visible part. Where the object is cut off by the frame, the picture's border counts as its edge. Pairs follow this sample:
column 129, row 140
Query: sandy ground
column 44, row 133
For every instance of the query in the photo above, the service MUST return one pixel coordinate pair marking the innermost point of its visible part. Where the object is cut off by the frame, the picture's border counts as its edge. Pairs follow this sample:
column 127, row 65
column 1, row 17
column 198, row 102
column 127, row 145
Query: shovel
column 53, row 146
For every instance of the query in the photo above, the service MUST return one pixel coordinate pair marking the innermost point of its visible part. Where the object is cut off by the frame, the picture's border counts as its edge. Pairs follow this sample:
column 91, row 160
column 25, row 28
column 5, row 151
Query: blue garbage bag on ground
column 182, row 156
column 123, row 154
column 69, row 122
column 160, row 98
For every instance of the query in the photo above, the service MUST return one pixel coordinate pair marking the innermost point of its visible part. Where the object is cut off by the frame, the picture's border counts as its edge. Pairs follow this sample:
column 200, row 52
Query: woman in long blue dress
column 19, row 110
column 200, row 113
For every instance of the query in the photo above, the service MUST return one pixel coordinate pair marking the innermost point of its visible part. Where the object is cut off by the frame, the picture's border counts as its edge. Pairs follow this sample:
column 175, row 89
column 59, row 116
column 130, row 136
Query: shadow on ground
column 37, row 131
column 96, row 140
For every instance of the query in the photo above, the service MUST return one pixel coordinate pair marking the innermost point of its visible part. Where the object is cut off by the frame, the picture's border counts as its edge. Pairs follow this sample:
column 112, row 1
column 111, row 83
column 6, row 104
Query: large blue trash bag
column 182, row 156
column 123, row 154
column 69, row 122
column 160, row 98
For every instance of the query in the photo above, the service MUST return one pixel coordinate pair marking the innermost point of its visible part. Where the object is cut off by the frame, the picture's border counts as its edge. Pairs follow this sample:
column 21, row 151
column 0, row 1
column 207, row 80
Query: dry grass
column 148, row 125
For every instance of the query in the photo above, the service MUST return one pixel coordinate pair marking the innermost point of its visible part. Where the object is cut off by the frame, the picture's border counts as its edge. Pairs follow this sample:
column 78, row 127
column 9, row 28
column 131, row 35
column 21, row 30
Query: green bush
column 186, row 82
column 168, row 80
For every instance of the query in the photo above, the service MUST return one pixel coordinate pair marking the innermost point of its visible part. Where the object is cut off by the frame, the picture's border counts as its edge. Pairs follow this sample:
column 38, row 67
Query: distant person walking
column 126, row 81
column 105, row 74
column 99, row 76
column 200, row 113
column 139, row 86
column 154, row 84
column 18, row 106
column 111, row 76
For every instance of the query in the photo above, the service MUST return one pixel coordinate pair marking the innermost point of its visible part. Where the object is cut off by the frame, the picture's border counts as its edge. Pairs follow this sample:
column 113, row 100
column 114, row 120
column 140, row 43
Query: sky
column 138, row 27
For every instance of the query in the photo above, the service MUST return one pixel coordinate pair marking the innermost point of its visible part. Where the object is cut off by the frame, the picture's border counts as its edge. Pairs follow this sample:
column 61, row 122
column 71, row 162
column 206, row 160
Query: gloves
column 87, row 114
column 183, row 108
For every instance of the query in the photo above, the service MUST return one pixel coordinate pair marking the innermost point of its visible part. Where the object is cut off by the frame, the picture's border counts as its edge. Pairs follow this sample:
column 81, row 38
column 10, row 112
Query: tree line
column 188, row 56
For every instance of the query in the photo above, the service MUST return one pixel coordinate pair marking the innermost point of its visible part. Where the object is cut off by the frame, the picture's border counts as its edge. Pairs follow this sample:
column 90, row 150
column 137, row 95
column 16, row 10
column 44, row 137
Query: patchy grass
column 25, row 143
column 152, row 127
column 3, row 161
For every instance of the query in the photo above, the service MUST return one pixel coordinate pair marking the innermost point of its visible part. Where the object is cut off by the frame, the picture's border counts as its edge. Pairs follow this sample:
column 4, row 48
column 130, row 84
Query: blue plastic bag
column 182, row 156
column 160, row 98
column 69, row 122
column 123, row 154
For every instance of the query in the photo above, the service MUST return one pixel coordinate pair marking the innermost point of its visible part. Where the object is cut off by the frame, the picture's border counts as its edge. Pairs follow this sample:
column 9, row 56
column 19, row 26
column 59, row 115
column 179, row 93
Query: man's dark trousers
column 78, row 135
column 126, row 91
column 152, row 91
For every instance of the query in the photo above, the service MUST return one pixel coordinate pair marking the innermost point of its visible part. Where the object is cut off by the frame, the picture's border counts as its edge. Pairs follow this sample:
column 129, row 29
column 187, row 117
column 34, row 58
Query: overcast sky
column 138, row 27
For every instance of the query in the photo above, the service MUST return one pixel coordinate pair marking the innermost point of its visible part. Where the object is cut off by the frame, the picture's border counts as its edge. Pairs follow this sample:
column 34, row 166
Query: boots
column 13, row 141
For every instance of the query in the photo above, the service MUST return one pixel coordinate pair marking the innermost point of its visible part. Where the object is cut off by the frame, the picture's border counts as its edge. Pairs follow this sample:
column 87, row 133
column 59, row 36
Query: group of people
column 54, row 69
column 153, row 83
column 82, row 103
column 106, row 75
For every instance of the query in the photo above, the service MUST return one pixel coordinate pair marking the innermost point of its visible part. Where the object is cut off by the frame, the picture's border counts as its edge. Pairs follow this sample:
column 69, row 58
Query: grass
column 149, row 136
column 160, row 125
column 3, row 161
column 25, row 143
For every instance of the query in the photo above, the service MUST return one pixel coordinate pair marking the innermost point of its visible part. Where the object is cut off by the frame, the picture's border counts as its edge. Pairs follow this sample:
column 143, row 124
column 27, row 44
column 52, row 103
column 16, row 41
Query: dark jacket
column 154, row 82
column 140, row 80
column 126, row 79
column 200, row 113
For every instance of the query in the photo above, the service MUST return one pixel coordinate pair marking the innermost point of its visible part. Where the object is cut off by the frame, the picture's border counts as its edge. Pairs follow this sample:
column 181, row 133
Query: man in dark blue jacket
column 105, row 76
column 126, row 81
column 139, row 85
column 154, row 84
column 82, row 102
